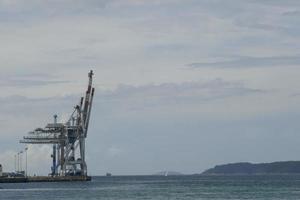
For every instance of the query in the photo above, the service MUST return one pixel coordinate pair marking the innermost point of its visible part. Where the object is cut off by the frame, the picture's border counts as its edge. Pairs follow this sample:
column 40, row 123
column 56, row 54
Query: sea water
column 159, row 187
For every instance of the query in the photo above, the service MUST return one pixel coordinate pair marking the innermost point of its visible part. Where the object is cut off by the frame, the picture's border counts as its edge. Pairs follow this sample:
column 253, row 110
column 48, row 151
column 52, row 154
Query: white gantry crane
column 68, row 139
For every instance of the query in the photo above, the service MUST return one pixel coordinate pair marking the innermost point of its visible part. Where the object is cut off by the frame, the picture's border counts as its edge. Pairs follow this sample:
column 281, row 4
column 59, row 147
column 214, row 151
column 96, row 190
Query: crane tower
column 68, row 139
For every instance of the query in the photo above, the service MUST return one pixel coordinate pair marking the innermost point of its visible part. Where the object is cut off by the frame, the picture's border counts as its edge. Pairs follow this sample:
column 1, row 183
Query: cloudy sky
column 181, row 85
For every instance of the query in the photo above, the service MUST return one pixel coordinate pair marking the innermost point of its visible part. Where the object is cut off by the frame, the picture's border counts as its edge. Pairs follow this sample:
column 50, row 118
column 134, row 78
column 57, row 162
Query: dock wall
column 44, row 179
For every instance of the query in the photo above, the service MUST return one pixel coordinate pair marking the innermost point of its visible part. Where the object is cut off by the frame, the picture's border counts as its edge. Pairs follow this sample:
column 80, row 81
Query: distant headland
column 245, row 168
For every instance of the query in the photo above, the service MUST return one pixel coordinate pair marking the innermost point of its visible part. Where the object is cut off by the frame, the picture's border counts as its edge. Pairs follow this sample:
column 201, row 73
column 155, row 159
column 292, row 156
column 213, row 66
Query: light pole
column 15, row 162
column 26, row 148
column 21, row 154
column 18, row 162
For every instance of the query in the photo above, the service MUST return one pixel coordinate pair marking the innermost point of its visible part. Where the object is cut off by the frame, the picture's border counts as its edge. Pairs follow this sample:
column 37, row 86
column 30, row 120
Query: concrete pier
column 44, row 179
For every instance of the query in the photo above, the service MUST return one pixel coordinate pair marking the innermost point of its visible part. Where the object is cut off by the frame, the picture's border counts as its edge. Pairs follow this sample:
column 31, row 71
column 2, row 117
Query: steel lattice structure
column 68, row 139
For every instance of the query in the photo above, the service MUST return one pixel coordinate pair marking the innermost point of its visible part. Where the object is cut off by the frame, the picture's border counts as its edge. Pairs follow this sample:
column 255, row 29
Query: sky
column 181, row 85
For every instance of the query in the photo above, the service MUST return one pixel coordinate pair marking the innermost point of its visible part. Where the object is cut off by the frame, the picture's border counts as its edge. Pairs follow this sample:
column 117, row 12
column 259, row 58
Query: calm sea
column 156, row 187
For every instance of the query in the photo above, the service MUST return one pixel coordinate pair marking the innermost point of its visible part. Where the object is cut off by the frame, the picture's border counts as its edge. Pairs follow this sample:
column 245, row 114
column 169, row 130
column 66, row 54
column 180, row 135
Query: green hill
column 287, row 167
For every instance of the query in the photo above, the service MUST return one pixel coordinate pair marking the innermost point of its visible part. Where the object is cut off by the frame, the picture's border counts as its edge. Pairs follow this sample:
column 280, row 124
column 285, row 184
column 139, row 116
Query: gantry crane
column 68, row 139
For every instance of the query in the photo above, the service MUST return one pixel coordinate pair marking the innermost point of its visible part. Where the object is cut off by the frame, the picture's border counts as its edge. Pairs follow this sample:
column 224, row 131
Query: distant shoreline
column 200, row 174
column 245, row 168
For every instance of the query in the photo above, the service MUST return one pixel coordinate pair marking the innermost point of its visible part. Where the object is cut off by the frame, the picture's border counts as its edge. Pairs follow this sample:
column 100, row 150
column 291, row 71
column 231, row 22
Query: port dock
column 44, row 179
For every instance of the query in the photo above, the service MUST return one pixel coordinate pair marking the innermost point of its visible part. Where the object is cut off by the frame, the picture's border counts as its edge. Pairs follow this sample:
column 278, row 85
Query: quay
column 44, row 179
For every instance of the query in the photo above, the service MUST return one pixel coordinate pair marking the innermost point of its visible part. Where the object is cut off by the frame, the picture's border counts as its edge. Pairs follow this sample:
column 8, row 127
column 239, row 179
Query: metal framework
column 68, row 139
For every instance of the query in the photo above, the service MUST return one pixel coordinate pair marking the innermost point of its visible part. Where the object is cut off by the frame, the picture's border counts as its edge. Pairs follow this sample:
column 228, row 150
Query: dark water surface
column 157, row 187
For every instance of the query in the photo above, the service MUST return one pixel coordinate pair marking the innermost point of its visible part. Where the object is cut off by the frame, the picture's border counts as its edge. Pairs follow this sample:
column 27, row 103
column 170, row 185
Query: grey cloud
column 29, row 80
column 25, row 12
column 250, row 62
column 127, row 98
column 259, row 25
column 256, row 15
column 277, row 2
column 28, row 83
column 21, row 106
column 130, row 98
column 279, row 26
column 16, row 99
column 34, row 75
column 53, row 7
column 295, row 95
column 295, row 13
